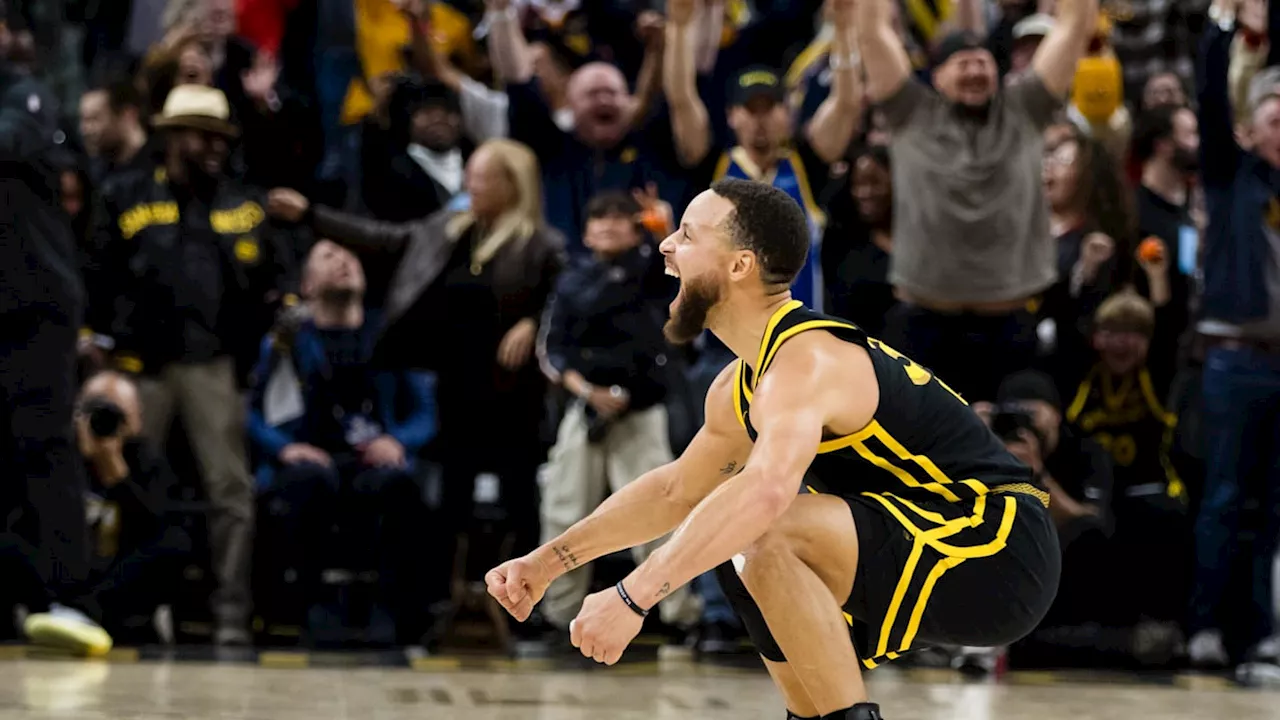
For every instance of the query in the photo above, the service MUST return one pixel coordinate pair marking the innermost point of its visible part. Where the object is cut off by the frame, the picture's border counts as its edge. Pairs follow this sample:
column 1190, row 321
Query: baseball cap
column 754, row 82
column 1037, row 25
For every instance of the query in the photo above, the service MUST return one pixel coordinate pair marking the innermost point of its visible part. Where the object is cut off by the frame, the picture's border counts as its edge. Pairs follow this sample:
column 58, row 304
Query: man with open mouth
column 853, row 505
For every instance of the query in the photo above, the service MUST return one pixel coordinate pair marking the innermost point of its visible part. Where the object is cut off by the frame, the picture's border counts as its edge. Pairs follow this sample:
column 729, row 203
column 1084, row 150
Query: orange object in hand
column 654, row 223
column 1151, row 250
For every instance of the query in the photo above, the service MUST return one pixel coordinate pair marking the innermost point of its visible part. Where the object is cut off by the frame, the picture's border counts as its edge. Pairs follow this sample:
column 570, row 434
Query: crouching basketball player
column 854, row 507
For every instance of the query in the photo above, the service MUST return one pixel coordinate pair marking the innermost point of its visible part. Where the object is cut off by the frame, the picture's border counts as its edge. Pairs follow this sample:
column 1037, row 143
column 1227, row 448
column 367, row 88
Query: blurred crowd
column 373, row 298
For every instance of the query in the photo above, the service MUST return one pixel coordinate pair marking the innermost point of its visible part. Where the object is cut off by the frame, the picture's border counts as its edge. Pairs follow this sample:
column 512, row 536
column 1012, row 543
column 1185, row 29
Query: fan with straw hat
column 197, row 107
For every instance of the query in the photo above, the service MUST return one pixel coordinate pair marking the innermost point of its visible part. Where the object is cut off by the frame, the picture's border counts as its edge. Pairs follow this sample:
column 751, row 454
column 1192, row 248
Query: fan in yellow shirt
column 382, row 33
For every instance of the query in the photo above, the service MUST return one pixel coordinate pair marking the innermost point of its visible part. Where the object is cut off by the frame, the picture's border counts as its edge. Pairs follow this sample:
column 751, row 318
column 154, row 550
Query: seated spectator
column 858, row 242
column 135, row 558
column 1092, row 221
column 465, row 301
column 970, row 224
column 1117, row 406
column 765, row 147
column 339, row 439
column 602, row 342
column 1077, row 472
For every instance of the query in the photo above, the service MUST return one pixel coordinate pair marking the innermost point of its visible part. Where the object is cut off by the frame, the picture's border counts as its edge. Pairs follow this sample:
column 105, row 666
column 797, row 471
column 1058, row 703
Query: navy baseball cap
column 755, row 82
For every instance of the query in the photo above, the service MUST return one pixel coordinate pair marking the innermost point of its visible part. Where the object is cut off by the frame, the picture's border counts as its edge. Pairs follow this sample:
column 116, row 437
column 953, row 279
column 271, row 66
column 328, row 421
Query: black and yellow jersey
column 1125, row 416
column 926, row 457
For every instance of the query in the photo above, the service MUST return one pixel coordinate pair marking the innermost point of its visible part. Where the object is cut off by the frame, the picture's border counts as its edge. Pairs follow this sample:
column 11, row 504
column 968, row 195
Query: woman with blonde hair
column 464, row 301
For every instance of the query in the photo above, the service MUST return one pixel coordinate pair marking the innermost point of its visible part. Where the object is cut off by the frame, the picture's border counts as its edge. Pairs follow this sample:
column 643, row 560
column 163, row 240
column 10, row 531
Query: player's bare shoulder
column 719, row 412
column 820, row 368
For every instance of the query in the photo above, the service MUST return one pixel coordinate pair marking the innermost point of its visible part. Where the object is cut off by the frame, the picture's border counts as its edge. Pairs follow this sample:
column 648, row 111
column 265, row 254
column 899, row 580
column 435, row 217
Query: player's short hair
column 768, row 222
column 1126, row 311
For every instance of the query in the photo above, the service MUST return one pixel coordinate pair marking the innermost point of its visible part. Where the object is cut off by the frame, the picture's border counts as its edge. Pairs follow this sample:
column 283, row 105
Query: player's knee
column 770, row 551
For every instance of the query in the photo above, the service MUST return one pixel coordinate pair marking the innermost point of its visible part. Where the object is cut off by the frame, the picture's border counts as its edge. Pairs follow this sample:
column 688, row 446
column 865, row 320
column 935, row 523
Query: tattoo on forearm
column 664, row 591
column 566, row 556
column 730, row 469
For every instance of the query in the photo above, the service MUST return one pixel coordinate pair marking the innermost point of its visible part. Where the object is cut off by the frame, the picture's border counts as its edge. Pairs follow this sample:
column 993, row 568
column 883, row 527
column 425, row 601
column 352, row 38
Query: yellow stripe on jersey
column 765, row 342
column 793, row 331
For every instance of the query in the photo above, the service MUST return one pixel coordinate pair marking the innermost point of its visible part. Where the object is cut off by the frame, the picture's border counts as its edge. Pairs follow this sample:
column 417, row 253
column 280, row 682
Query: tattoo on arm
column 730, row 469
column 664, row 590
column 566, row 556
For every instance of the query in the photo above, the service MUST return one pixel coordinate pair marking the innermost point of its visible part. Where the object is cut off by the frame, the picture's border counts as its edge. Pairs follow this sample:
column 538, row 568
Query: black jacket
column 142, row 235
column 128, row 515
column 38, row 260
column 1083, row 470
column 605, row 321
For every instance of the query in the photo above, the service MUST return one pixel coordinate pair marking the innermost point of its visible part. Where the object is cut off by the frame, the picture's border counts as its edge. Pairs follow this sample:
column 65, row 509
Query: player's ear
column 744, row 263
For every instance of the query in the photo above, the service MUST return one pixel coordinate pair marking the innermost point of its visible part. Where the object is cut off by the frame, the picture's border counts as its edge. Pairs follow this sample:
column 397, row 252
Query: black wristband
column 630, row 603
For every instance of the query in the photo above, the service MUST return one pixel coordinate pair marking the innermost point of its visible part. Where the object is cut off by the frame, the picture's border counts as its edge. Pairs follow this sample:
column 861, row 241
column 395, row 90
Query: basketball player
column 854, row 506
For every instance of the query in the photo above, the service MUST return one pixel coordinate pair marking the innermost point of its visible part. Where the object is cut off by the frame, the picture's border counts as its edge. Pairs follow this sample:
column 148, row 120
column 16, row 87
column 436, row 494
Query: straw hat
column 197, row 107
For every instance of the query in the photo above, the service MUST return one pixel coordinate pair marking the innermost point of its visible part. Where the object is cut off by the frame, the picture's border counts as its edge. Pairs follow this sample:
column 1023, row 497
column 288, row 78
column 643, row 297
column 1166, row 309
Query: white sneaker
column 977, row 661
column 68, row 629
column 1207, row 651
column 1267, row 651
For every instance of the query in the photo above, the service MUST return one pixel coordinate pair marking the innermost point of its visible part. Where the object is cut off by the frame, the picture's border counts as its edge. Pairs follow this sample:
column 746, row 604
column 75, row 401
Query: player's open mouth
column 672, row 272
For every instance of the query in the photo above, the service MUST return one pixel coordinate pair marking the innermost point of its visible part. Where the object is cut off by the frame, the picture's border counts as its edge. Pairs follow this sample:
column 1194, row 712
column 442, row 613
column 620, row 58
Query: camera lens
column 104, row 416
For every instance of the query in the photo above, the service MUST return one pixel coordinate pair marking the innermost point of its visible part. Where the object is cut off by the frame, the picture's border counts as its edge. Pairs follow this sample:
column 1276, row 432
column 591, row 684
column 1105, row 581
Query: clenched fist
column 288, row 205
column 518, row 585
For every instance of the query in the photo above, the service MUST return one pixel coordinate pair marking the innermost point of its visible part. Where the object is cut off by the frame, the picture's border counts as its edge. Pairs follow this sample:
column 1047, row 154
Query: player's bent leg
column 800, row 573
column 799, row 705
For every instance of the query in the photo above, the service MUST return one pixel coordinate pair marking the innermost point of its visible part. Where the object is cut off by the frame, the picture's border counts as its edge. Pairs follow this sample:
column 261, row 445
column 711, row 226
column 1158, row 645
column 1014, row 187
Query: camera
column 105, row 417
column 1008, row 420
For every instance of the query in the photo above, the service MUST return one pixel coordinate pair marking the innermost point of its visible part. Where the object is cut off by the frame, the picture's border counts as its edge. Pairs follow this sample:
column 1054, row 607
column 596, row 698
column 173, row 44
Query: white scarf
column 443, row 167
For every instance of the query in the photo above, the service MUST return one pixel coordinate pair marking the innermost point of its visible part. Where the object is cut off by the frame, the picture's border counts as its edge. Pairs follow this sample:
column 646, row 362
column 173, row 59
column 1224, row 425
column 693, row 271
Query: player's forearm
column 725, row 524
column 643, row 511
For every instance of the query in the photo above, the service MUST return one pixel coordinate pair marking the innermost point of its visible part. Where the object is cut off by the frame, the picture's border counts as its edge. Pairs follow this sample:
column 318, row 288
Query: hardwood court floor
column 36, row 689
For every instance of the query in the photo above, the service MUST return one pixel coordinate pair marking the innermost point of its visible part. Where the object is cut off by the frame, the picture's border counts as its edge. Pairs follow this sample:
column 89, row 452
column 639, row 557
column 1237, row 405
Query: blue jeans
column 1242, row 441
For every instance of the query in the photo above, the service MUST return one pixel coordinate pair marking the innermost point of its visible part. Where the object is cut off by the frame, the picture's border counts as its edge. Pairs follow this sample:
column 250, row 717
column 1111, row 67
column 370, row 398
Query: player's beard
column 689, row 318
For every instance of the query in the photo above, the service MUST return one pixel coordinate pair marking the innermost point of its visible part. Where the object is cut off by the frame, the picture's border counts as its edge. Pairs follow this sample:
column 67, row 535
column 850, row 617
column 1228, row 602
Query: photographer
column 602, row 342
column 1075, row 469
column 133, row 555
column 1077, row 472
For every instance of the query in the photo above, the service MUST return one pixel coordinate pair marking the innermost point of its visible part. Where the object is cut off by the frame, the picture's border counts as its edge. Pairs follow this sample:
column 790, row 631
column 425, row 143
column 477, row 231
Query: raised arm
column 1219, row 152
column 508, row 49
column 644, row 510
column 690, row 124
column 838, row 117
column 887, row 65
column 1055, row 62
